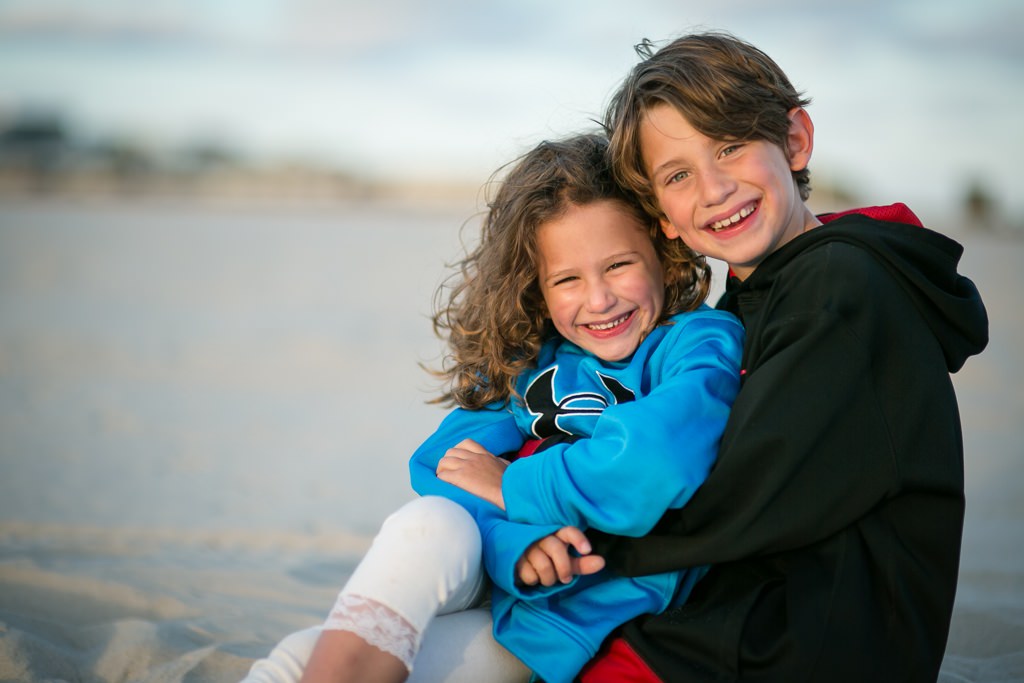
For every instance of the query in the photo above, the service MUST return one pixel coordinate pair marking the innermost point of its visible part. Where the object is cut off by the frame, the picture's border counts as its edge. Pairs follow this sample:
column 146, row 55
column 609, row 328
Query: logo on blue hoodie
column 564, row 415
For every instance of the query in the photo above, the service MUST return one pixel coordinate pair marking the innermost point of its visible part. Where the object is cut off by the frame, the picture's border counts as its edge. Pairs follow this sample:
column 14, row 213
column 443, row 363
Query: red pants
column 617, row 662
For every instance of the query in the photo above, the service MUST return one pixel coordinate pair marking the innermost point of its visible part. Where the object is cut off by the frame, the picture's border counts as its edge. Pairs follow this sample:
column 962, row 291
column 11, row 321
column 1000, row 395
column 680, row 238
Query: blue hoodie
column 650, row 425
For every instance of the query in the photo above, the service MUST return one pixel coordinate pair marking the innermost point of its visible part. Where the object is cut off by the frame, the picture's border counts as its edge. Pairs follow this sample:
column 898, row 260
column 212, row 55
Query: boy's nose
column 715, row 187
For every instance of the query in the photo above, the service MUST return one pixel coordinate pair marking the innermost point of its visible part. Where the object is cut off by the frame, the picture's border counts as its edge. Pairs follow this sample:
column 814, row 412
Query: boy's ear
column 800, row 140
column 668, row 229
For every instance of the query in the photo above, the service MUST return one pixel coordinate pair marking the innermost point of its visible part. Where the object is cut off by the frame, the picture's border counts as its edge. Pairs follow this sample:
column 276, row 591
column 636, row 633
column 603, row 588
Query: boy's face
column 600, row 277
column 735, row 201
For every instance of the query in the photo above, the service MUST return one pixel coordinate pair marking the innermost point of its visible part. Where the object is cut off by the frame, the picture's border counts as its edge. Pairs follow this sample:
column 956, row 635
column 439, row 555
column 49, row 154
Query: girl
column 577, row 334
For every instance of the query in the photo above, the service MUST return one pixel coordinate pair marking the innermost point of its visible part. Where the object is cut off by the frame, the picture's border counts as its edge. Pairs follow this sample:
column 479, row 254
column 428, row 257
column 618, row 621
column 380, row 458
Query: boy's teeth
column 735, row 218
column 608, row 326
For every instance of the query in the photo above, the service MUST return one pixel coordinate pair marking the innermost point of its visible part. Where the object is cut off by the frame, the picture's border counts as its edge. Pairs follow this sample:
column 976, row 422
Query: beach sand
column 206, row 411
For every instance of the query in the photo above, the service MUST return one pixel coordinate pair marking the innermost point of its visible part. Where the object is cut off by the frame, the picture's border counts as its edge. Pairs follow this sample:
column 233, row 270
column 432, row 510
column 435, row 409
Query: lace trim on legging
column 378, row 625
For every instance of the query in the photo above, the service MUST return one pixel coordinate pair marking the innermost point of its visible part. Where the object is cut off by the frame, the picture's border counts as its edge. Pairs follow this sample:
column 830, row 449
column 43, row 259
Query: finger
column 453, row 459
column 570, row 535
column 542, row 566
column 457, row 453
column 446, row 463
column 472, row 447
column 590, row 564
column 558, row 553
column 526, row 573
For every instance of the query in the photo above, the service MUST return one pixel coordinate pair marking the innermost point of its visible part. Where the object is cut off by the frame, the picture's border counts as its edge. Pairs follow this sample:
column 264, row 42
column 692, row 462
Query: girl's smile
column 611, row 327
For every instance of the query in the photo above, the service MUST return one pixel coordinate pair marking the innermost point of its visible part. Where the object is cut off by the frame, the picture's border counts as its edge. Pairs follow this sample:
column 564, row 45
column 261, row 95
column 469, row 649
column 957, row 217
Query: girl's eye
column 676, row 177
column 562, row 281
column 618, row 264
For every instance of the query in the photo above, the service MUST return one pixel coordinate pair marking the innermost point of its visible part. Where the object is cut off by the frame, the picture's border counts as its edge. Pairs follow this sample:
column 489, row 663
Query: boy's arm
column 645, row 456
column 808, row 448
column 779, row 482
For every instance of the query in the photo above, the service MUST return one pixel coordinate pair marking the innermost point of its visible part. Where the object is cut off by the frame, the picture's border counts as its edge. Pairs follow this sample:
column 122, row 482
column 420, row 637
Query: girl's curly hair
column 491, row 311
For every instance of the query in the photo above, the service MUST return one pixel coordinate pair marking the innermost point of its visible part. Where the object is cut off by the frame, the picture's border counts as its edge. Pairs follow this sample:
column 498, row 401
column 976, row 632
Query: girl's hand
column 472, row 468
column 548, row 559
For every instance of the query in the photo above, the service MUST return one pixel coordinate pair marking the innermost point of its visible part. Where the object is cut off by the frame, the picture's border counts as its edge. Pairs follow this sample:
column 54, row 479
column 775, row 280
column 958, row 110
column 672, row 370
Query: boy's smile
column 600, row 277
column 732, row 200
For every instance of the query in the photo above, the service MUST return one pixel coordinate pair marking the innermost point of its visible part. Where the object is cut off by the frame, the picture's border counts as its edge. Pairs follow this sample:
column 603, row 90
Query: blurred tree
column 979, row 207
column 34, row 146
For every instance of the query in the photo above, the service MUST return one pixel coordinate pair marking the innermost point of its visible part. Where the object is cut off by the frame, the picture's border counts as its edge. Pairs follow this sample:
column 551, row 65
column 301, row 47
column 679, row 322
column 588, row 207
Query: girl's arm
column 494, row 428
column 505, row 543
column 645, row 456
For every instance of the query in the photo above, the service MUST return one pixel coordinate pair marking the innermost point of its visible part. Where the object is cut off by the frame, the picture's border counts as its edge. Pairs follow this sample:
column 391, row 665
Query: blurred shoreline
column 308, row 187
column 41, row 158
column 288, row 185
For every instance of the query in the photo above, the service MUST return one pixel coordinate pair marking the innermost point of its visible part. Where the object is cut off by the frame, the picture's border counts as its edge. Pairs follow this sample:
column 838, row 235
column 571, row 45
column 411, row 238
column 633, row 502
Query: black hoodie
column 834, row 514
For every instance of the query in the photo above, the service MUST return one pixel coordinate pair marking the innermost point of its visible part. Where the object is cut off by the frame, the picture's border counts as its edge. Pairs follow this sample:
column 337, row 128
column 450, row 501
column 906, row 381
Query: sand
column 205, row 412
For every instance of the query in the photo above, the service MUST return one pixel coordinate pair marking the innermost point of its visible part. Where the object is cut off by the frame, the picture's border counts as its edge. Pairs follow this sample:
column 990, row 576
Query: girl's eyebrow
column 556, row 274
column 624, row 254
column 629, row 253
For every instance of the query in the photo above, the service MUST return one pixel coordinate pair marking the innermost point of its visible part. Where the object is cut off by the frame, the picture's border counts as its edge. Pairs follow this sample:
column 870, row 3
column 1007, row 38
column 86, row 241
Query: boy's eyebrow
column 663, row 166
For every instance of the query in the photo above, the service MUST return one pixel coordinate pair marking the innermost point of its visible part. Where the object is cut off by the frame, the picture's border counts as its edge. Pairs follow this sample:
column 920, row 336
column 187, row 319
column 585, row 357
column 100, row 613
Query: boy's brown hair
column 724, row 87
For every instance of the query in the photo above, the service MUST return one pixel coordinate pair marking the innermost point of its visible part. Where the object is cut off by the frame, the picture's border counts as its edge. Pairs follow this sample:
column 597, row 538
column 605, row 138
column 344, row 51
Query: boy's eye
column 731, row 149
column 676, row 177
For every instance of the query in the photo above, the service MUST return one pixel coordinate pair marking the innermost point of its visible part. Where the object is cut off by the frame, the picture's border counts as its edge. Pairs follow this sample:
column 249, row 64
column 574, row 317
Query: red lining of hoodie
column 890, row 213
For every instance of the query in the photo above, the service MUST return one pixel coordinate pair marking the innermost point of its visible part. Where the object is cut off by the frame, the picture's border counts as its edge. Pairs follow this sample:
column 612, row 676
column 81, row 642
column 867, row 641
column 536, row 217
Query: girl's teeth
column 735, row 218
column 608, row 326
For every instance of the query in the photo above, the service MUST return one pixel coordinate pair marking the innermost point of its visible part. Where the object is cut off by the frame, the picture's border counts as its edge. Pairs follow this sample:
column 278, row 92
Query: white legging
column 424, row 563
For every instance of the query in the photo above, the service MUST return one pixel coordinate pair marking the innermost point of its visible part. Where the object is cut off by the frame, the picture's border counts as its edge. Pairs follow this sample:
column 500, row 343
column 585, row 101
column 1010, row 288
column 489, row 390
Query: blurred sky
column 912, row 98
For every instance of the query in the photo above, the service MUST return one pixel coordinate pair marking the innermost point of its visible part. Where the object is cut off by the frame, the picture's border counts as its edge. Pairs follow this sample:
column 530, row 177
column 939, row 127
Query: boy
column 833, row 517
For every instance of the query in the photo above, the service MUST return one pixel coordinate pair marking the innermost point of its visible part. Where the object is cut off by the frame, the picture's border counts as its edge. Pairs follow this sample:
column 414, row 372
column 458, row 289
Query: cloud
column 990, row 32
column 107, row 23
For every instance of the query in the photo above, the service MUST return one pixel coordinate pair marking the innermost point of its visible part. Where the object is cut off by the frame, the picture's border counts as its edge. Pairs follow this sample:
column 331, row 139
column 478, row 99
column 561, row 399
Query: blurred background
column 916, row 101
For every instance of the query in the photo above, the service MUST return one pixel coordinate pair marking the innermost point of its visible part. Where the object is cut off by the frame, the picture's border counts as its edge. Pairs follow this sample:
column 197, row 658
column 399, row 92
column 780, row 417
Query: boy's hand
column 548, row 559
column 472, row 468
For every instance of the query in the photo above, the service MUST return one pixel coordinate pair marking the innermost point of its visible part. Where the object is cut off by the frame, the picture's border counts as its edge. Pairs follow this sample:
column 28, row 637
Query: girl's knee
column 425, row 559
column 435, row 520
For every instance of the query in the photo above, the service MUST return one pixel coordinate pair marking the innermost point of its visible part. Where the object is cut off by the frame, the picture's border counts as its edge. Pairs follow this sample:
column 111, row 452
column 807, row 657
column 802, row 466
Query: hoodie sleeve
column 494, row 428
column 645, row 456
column 504, row 542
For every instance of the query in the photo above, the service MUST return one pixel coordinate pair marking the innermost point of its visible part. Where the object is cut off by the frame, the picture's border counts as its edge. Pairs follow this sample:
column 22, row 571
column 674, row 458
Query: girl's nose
column 600, row 297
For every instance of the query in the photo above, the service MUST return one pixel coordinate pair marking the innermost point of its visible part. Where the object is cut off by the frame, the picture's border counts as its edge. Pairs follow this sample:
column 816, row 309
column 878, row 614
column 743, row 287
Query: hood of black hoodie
column 923, row 262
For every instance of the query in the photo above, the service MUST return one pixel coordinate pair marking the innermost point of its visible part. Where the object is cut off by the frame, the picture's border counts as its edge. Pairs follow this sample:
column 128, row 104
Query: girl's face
column 601, row 280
